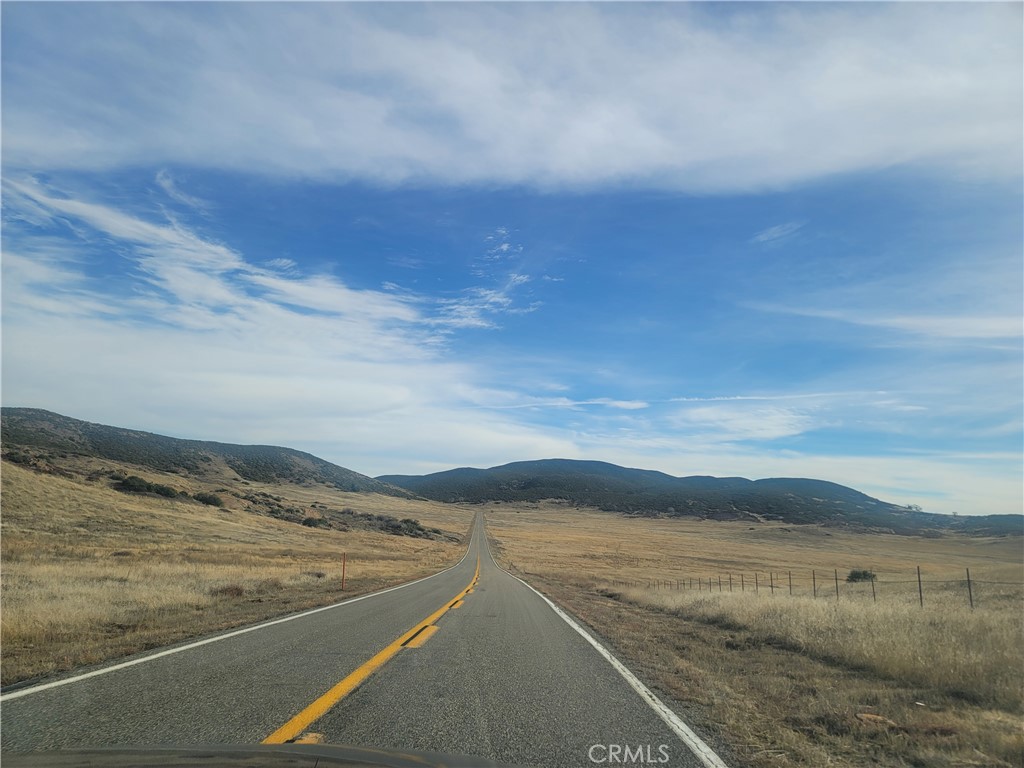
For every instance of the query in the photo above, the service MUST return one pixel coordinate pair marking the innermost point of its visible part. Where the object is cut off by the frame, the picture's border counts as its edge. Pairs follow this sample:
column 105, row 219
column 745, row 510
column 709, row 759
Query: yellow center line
column 423, row 636
column 319, row 708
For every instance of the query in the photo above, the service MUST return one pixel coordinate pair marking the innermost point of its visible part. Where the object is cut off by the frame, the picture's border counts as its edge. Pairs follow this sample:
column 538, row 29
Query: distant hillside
column 645, row 492
column 32, row 428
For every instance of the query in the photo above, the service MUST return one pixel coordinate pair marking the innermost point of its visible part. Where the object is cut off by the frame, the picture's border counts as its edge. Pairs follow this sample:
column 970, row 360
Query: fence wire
column 831, row 585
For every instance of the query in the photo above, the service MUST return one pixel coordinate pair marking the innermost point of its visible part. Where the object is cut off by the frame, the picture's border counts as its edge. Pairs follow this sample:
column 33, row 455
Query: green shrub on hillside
column 135, row 484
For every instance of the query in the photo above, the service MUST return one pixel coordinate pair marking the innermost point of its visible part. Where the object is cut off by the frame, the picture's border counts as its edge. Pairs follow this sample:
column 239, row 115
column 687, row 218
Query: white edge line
column 160, row 654
column 703, row 752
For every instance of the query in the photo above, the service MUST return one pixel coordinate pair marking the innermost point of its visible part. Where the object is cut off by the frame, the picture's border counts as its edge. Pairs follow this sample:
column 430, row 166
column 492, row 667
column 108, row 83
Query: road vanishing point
column 470, row 662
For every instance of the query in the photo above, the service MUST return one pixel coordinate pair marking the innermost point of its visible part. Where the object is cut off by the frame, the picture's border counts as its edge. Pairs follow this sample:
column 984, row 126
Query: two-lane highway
column 470, row 661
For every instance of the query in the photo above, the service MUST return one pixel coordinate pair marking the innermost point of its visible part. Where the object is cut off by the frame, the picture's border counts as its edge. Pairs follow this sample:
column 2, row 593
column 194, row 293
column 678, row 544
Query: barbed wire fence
column 832, row 585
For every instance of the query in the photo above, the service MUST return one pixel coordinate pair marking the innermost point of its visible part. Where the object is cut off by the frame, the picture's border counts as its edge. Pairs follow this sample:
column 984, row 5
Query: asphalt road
column 502, row 677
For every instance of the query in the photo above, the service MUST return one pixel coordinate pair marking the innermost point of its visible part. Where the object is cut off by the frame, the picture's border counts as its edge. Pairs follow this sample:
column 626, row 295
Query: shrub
column 861, row 575
column 135, row 484
column 313, row 522
column 18, row 458
column 209, row 498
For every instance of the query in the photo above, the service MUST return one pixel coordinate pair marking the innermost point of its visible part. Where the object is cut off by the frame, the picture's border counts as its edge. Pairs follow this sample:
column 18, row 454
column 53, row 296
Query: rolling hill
column 26, row 432
column 649, row 493
column 46, row 440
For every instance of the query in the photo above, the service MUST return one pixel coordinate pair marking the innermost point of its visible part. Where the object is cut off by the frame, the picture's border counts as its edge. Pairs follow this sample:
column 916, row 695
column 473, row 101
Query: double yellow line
column 415, row 637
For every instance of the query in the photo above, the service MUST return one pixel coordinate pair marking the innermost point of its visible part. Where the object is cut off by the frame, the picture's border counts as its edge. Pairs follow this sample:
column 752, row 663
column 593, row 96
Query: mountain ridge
column 651, row 493
column 37, row 428
column 27, row 433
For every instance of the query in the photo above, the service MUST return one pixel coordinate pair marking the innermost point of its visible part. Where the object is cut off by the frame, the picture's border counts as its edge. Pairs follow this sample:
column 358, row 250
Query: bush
column 313, row 522
column 209, row 498
column 861, row 575
column 18, row 458
column 135, row 484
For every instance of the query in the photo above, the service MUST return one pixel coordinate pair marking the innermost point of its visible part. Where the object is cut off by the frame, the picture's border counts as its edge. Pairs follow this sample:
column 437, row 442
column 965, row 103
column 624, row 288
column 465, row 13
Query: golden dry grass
column 89, row 573
column 796, row 681
column 971, row 654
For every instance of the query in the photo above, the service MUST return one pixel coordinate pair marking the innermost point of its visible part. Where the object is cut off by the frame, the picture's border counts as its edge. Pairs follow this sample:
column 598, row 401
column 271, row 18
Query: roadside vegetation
column 91, row 573
column 797, row 680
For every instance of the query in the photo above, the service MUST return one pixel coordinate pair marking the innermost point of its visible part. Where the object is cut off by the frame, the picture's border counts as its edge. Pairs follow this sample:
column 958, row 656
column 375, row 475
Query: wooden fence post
column 790, row 583
column 730, row 582
column 920, row 589
column 970, row 592
column 814, row 583
column 837, row 584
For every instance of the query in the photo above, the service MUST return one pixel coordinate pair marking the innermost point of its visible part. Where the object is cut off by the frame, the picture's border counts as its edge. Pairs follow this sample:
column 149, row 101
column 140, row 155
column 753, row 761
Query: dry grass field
column 796, row 680
column 89, row 573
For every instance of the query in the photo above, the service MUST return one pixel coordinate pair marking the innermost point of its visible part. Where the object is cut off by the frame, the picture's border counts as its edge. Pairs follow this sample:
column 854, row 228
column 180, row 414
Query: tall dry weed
column 972, row 654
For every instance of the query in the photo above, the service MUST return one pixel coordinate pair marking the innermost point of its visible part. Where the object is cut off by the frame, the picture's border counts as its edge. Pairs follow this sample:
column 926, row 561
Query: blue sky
column 759, row 240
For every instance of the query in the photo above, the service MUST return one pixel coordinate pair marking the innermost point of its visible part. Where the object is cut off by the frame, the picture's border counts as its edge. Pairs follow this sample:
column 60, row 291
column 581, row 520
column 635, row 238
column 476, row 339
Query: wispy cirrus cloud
column 961, row 326
column 567, row 403
column 166, row 182
column 478, row 307
column 778, row 232
column 193, row 327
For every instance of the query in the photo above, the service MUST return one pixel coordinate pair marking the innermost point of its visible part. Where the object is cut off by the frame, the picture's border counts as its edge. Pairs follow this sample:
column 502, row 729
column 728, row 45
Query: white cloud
column 478, row 306
column 203, row 344
column 778, row 232
column 955, row 326
column 715, row 98
column 507, row 401
column 166, row 182
column 736, row 423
